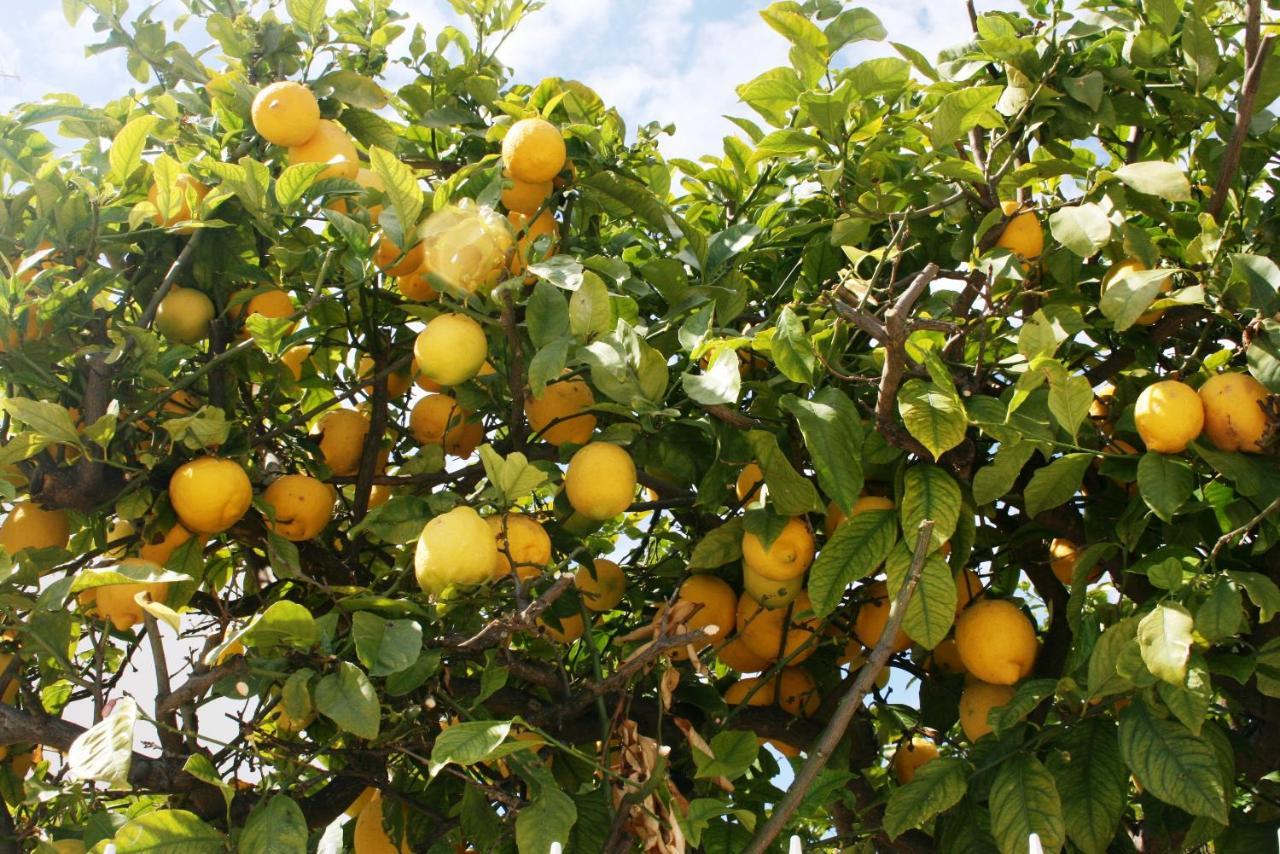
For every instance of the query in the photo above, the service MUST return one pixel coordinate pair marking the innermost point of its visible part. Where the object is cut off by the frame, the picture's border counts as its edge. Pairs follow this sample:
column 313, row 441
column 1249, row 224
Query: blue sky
column 668, row 60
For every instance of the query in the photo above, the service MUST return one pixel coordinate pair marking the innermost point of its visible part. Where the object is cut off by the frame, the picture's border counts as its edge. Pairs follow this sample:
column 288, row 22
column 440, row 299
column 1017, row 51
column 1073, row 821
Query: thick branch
column 194, row 687
column 1255, row 56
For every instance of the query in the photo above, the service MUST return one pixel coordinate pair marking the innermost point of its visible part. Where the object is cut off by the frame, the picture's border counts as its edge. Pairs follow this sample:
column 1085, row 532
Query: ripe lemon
column 750, row 483
column 115, row 602
column 1063, row 555
column 873, row 614
column 30, row 526
column 303, row 506
column 437, row 419
column 601, row 585
column 770, row 592
column 369, row 836
column 360, row 802
column 1120, row 268
column 762, row 629
column 294, row 358
column 274, row 303
column 117, row 535
column 522, row 544
column 210, row 494
column 525, row 196
column 533, row 150
column 285, row 113
column 1234, row 419
column 787, row 557
column 466, row 245
column 911, row 755
column 394, row 261
column 185, row 186
column 600, row 481
column 451, row 349
column 329, row 144
column 11, row 690
column 716, row 605
column 1022, row 235
column 976, row 700
column 341, row 434
column 1168, row 415
column 397, row 382
column 159, row 551
column 417, row 285
column 560, row 415
column 455, row 548
column 968, row 588
column 736, row 694
column 544, row 225
column 738, row 655
column 570, row 629
column 945, row 658
column 184, row 316
column 1100, row 409
column 836, row 517
column 996, row 641
column 797, row 692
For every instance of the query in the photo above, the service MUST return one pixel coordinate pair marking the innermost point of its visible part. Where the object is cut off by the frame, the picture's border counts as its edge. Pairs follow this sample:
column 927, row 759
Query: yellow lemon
column 873, row 615
column 30, row 526
column 394, row 261
column 768, row 633
column 996, row 641
column 600, row 481
column 159, row 551
column 210, row 494
column 341, row 434
column 770, row 592
column 533, row 150
column 715, row 604
column 601, row 585
column 736, row 694
column 910, row 756
column 184, row 315
column 1022, row 235
column 417, row 285
column 750, row 482
column 369, row 836
column 522, row 544
column 543, row 226
column 303, row 506
column 569, row 630
column 437, row 419
column 185, row 186
column 797, row 692
column 1168, row 415
column 330, row 144
column 455, row 548
column 397, row 381
column 1063, row 555
column 285, row 113
column 835, row 516
column 451, row 349
column 560, row 414
column 525, row 196
column 116, row 602
column 968, row 588
column 976, row 701
column 1234, row 419
column 945, row 658
column 738, row 655
column 787, row 557
column 294, row 358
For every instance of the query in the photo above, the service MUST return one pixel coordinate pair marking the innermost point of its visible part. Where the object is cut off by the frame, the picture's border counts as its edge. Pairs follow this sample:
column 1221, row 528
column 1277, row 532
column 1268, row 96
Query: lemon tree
column 469, row 476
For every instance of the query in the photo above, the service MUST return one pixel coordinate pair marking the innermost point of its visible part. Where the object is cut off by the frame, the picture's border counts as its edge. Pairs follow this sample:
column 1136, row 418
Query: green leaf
column 627, row 196
column 790, row 493
column 1088, row 89
column 126, row 149
column 294, row 182
column 104, row 752
column 854, row 25
column 1104, row 679
column 937, row 786
column 402, row 189
column 405, row 681
column 548, row 363
column 1262, row 275
column 385, row 646
column 1166, row 482
column 1091, row 781
column 275, row 826
column 347, row 698
column 1084, row 228
column 995, row 480
column 1263, row 593
column 928, row 492
column 1028, row 695
column 590, row 313
column 1055, row 483
column 546, row 313
column 307, row 14
column 47, row 420
column 168, row 832
column 1171, row 763
column 733, row 751
column 1070, row 397
column 792, row 350
column 467, row 743
column 795, row 27
column 772, row 94
column 1024, row 800
column 1189, row 701
column 1267, row 668
column 1156, row 178
column 283, row 623
column 720, row 546
column 1220, row 614
column 932, row 607
column 1164, row 637
column 856, row 549
column 933, row 417
column 1128, row 296
column 832, row 432
column 549, row 818
column 963, row 110
column 720, row 383
column 201, row 767
column 355, row 89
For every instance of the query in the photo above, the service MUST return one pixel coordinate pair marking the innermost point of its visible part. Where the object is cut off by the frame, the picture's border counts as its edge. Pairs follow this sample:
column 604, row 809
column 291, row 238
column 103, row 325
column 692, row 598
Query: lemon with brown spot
column 341, row 434
column 910, row 755
column 561, row 413
column 770, row 592
column 1234, row 417
column 303, row 506
column 976, row 702
column 523, row 545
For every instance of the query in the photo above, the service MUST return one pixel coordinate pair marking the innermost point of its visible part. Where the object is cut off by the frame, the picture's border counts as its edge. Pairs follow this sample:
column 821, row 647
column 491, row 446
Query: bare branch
column 1255, row 56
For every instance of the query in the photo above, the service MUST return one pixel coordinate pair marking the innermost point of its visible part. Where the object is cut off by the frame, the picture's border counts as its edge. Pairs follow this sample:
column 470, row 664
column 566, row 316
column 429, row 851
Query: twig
column 849, row 704
column 497, row 631
column 1225, row 539
column 515, row 371
column 169, row 702
column 1255, row 56
column 167, row 723
column 166, row 284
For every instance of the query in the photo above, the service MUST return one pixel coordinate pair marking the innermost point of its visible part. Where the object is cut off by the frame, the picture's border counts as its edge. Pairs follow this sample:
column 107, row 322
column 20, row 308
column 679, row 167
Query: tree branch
column 1255, row 56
